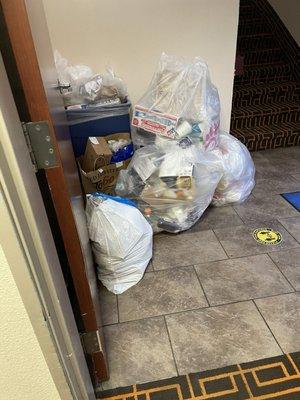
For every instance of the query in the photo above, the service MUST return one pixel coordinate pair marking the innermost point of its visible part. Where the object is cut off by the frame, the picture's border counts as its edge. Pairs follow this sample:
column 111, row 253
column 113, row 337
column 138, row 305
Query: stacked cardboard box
column 96, row 171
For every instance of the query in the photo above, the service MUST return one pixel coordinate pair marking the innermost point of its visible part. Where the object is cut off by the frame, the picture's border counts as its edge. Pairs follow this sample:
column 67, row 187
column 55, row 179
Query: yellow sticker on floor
column 267, row 236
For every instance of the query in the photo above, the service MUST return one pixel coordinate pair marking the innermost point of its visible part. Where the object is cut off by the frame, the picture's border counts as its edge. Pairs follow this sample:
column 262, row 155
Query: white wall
column 130, row 35
column 24, row 372
column 289, row 12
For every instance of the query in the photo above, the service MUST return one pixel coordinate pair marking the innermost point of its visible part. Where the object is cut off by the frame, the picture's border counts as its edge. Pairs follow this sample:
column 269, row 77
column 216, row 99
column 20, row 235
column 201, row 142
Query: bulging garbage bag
column 121, row 241
column 238, row 171
column 180, row 102
column 172, row 185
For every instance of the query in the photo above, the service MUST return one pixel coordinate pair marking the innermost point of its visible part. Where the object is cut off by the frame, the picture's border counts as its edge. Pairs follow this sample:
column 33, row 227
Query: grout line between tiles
column 286, row 229
column 200, row 308
column 221, row 243
column 231, row 258
column 256, row 306
column 233, row 207
column 176, row 266
column 201, row 286
column 274, row 218
column 188, row 265
column 282, row 273
column 251, row 255
column 219, row 260
column 168, row 333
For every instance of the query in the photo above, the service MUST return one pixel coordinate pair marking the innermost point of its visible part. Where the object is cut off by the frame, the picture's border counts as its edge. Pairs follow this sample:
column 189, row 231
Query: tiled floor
column 213, row 296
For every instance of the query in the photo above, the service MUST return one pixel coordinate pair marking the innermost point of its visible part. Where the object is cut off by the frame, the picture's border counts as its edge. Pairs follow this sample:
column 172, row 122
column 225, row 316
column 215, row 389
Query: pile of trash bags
column 182, row 162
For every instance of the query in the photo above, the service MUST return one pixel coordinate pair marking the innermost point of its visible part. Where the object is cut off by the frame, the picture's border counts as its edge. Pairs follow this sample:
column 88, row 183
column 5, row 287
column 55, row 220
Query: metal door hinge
column 39, row 142
column 91, row 342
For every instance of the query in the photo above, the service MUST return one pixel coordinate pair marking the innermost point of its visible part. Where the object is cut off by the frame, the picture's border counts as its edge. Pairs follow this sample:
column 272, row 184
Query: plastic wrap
column 88, row 113
column 120, row 147
column 238, row 171
column 80, row 86
column 68, row 74
column 121, row 241
column 172, row 186
column 180, row 102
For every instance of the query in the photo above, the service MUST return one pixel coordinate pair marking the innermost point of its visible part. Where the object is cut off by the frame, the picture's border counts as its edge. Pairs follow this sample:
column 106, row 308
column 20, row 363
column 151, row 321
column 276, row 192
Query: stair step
column 249, row 95
column 276, row 72
column 246, row 2
column 253, row 26
column 266, row 56
column 265, row 114
column 249, row 11
column 256, row 42
column 269, row 136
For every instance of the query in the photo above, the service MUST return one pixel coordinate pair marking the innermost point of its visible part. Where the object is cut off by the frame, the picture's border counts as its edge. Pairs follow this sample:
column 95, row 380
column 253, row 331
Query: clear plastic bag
column 121, row 241
column 180, row 102
column 80, row 86
column 238, row 171
column 69, row 74
column 172, row 186
column 90, row 112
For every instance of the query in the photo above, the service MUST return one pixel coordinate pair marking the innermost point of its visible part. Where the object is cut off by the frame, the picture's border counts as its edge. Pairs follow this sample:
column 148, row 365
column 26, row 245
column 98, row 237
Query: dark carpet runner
column 266, row 94
column 276, row 378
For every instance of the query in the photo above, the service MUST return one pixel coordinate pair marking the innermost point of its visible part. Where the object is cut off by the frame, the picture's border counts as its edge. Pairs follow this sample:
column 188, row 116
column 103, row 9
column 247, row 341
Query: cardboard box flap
column 117, row 136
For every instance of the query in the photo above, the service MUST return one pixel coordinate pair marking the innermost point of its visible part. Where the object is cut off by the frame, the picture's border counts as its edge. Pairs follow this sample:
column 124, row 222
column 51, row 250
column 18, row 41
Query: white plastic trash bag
column 121, row 241
column 181, row 101
column 238, row 171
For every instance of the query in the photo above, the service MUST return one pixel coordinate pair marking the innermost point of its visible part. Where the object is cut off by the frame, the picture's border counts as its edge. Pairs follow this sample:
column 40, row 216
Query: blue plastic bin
column 97, row 121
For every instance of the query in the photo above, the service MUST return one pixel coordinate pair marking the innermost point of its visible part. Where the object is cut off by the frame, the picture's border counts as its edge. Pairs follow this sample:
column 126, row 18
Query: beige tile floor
column 212, row 296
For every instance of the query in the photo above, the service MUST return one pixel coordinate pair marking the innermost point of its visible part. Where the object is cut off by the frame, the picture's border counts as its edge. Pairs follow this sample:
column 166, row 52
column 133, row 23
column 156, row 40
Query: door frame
column 32, row 55
column 41, row 284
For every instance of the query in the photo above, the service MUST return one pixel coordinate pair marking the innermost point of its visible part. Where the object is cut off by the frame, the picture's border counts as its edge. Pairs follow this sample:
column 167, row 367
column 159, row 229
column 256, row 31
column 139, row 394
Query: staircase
column 266, row 94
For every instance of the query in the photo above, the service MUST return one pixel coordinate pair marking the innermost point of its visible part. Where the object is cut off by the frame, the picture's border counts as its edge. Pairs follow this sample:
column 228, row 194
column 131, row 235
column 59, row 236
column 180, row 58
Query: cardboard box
column 97, row 154
column 103, row 180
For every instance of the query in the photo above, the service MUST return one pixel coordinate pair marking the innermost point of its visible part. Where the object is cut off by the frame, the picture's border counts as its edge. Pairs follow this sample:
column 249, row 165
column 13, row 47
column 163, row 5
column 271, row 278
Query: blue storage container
column 97, row 121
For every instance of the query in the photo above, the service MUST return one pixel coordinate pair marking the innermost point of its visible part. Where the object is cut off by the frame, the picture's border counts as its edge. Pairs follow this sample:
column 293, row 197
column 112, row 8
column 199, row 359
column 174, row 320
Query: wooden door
column 28, row 51
column 33, row 257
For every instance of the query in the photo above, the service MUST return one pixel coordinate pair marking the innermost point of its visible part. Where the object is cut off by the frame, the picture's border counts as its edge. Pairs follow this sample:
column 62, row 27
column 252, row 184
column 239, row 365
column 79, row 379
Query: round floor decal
column 267, row 236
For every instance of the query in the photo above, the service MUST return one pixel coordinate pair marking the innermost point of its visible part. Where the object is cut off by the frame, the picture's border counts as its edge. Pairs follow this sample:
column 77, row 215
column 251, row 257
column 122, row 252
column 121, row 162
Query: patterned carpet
column 266, row 106
column 276, row 378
